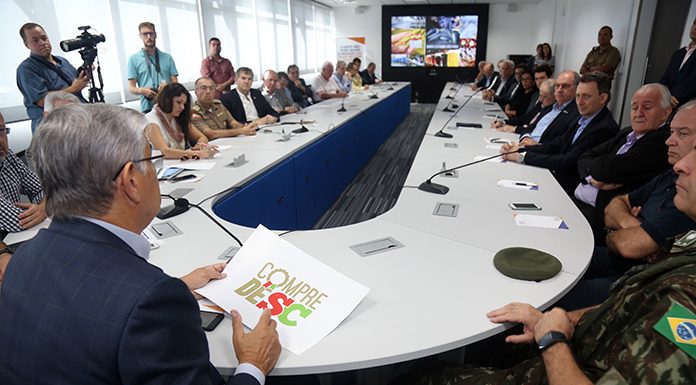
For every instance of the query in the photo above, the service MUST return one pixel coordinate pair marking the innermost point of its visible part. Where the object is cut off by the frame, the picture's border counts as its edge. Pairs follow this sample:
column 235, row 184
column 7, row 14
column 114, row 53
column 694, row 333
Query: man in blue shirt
column 43, row 72
column 149, row 69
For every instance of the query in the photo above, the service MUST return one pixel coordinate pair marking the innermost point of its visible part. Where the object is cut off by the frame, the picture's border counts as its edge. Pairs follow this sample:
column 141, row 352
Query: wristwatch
column 6, row 250
column 550, row 338
column 520, row 157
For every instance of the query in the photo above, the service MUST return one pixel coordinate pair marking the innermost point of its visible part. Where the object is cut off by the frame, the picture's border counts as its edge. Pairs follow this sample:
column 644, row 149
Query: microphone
column 343, row 108
column 174, row 209
column 429, row 186
column 374, row 95
column 441, row 133
column 458, row 82
column 302, row 128
column 451, row 103
column 184, row 203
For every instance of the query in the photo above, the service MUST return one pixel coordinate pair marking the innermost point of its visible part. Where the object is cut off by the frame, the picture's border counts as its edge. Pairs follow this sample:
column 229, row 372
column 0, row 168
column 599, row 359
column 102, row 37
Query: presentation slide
column 450, row 41
column 408, row 41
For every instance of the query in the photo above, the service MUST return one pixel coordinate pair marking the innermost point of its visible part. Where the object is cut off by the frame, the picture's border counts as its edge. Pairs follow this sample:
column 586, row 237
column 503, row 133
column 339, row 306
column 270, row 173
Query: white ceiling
column 355, row 3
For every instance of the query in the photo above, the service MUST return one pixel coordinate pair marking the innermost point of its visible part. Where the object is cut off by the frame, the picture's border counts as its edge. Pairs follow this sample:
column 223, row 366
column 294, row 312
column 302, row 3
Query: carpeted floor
column 377, row 186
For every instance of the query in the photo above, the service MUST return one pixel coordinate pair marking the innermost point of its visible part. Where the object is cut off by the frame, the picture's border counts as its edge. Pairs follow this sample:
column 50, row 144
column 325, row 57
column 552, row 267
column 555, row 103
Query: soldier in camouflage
column 644, row 333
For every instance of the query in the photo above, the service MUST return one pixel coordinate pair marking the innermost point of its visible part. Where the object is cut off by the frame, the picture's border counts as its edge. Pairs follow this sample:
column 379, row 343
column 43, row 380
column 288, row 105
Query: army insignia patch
column 679, row 326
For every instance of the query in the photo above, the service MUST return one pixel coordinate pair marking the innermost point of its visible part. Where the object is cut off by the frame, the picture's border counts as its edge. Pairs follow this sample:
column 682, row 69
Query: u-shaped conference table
column 426, row 297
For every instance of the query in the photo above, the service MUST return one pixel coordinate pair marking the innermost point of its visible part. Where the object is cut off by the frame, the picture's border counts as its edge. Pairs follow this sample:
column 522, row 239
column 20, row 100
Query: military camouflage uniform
column 215, row 118
column 603, row 56
column 615, row 343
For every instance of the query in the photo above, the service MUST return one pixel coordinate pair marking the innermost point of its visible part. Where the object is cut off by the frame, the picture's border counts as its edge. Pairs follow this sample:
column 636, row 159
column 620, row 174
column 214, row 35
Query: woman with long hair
column 171, row 131
column 544, row 56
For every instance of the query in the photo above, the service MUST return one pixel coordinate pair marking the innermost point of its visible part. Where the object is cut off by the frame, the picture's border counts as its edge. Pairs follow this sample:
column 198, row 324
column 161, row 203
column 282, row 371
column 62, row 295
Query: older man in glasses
column 211, row 117
column 83, row 290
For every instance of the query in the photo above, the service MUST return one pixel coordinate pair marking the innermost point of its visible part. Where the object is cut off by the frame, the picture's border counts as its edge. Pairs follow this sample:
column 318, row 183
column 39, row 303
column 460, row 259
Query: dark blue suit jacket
column 562, row 123
column 561, row 155
column 233, row 103
column 681, row 83
column 78, row 306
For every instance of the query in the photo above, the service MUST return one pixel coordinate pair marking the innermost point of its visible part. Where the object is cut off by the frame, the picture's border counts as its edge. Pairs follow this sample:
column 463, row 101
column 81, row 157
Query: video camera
column 85, row 39
column 87, row 44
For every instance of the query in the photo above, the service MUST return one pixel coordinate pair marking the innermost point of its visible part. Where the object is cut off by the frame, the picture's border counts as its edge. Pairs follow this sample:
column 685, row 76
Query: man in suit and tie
column 595, row 126
column 80, row 304
column 246, row 104
column 680, row 75
column 631, row 158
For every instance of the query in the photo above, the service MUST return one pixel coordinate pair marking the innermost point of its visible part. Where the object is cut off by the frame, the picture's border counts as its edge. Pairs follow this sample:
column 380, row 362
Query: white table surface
column 427, row 297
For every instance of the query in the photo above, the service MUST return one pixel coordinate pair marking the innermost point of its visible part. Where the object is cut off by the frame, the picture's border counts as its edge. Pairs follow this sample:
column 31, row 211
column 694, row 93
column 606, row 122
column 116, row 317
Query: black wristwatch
column 550, row 338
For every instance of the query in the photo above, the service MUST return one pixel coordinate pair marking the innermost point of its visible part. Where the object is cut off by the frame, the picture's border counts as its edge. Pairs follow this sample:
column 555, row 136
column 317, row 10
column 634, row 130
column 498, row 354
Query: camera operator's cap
column 526, row 264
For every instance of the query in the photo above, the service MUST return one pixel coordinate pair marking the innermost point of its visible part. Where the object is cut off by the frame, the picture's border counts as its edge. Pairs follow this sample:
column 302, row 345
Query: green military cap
column 526, row 264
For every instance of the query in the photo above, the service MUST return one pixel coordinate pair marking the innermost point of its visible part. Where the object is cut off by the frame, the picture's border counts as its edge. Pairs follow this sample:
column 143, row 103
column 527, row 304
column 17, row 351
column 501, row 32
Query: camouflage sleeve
column 647, row 356
column 613, row 59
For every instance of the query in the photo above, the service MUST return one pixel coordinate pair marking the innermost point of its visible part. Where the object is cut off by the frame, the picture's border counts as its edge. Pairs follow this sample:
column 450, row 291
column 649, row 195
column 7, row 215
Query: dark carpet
column 377, row 186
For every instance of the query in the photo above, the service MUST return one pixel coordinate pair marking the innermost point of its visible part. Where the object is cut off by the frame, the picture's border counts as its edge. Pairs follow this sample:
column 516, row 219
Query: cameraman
column 43, row 72
column 149, row 69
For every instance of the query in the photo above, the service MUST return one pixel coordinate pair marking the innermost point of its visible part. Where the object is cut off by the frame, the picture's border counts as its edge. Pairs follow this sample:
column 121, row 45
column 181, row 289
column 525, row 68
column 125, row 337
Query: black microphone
column 172, row 210
column 442, row 133
column 302, row 128
column 451, row 103
column 429, row 186
column 458, row 82
column 343, row 108
column 184, row 203
column 374, row 95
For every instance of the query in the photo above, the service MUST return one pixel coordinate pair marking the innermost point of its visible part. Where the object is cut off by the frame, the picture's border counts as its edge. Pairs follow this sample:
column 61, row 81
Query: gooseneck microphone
column 442, row 133
column 184, row 204
column 451, row 102
column 373, row 94
column 429, row 186
column 343, row 107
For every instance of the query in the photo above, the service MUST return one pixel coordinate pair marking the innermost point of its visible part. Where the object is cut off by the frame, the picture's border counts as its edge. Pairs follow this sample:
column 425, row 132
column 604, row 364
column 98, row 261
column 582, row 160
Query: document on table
column 542, row 221
column 193, row 165
column 307, row 298
column 519, row 184
column 26, row 235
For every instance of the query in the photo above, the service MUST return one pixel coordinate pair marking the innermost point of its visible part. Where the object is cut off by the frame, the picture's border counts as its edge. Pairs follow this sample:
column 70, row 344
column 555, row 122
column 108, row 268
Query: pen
column 525, row 184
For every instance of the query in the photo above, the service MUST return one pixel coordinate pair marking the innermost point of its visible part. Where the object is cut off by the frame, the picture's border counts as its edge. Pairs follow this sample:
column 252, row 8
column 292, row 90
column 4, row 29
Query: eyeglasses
column 157, row 162
column 4, row 130
column 150, row 34
column 186, row 157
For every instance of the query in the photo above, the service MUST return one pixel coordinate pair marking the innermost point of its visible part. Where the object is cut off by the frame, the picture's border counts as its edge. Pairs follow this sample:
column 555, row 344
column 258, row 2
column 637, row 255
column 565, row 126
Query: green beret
column 526, row 264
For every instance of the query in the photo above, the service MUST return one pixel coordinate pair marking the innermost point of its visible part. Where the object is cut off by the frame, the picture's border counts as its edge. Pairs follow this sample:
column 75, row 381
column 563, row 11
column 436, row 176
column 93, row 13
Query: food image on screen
column 450, row 41
column 407, row 41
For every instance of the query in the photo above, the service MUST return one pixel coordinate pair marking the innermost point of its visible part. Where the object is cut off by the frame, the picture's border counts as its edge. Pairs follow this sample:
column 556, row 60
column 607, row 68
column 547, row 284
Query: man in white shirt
column 325, row 87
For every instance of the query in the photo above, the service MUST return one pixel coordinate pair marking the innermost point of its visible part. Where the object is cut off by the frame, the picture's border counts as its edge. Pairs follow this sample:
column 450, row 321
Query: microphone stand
column 451, row 103
column 185, row 204
column 374, row 95
column 429, row 186
column 441, row 133
column 343, row 107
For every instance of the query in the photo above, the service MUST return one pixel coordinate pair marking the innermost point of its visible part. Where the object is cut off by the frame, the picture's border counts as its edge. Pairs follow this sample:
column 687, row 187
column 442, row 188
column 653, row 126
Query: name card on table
column 307, row 299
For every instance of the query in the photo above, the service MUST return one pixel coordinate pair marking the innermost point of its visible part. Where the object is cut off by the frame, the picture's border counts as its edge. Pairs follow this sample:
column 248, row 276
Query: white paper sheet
column 193, row 165
column 542, row 221
column 308, row 299
column 26, row 235
column 518, row 184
